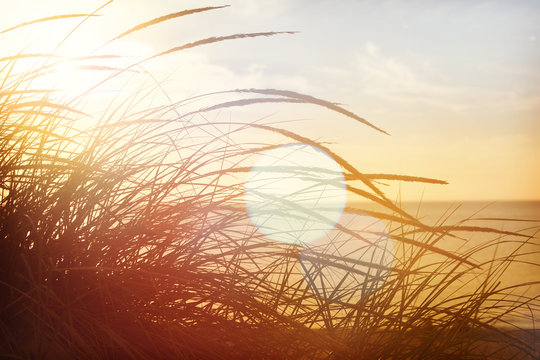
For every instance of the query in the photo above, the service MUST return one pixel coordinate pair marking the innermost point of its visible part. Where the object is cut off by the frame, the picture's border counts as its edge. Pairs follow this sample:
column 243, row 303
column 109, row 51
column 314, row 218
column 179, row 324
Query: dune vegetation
column 130, row 238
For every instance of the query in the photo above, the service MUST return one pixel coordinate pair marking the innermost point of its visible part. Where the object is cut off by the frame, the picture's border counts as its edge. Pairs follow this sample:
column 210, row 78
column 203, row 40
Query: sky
column 455, row 83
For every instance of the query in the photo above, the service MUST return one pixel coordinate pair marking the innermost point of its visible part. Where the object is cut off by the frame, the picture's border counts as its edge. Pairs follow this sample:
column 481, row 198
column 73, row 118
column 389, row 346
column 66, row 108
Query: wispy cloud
column 396, row 82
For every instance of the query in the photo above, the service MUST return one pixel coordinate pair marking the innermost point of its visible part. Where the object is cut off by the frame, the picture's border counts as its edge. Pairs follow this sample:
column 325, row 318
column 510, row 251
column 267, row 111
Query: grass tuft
column 130, row 239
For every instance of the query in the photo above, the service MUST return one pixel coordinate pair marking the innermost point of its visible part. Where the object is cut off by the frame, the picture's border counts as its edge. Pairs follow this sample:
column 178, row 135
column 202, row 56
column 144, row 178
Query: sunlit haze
column 455, row 83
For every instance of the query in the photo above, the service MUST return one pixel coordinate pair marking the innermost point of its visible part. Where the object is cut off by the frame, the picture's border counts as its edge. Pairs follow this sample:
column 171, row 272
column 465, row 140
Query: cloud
column 371, row 49
column 422, row 83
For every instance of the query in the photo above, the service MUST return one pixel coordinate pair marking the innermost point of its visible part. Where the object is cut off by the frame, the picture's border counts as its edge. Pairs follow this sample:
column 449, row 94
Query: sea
column 519, row 255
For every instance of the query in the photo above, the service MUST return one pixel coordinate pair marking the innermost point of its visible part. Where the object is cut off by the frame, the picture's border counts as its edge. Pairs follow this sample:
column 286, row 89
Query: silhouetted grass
column 131, row 240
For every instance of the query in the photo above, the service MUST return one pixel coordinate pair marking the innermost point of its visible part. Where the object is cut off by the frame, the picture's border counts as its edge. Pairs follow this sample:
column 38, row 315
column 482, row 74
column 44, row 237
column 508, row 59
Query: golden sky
column 455, row 83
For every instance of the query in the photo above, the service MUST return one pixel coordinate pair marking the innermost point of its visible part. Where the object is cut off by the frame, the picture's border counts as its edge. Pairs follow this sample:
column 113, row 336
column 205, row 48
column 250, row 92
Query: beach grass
column 130, row 239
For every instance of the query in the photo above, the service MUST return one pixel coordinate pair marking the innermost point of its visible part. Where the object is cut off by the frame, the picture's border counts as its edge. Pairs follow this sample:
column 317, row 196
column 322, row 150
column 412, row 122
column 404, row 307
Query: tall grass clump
column 129, row 238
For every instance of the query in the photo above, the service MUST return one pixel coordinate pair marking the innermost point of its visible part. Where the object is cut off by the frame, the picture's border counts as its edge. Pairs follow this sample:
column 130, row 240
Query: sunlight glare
column 295, row 193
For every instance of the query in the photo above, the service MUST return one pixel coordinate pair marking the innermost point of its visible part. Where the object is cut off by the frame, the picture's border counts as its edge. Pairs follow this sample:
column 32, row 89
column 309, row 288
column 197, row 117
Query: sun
column 70, row 62
column 75, row 70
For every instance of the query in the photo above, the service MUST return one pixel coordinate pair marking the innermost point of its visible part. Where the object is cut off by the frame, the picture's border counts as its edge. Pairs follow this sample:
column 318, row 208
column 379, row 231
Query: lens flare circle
column 349, row 266
column 295, row 193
